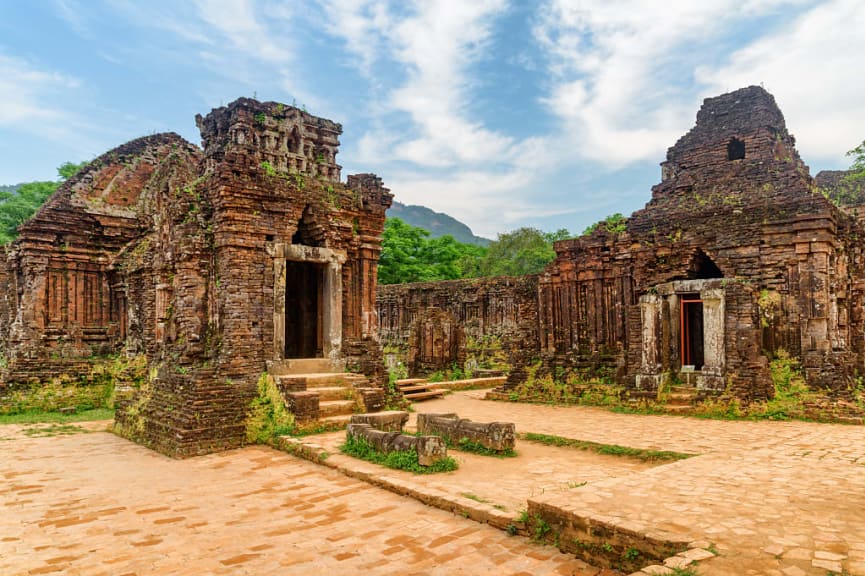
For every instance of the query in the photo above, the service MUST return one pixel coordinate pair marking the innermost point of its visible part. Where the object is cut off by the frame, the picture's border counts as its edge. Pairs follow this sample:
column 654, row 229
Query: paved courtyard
column 97, row 504
column 775, row 498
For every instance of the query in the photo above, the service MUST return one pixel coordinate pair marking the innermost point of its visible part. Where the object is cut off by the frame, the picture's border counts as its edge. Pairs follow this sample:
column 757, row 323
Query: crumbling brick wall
column 735, row 203
column 162, row 249
column 501, row 308
column 65, row 299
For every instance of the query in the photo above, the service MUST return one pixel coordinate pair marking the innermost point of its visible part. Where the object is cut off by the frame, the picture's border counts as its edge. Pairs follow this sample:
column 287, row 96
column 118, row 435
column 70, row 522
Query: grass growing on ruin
column 607, row 449
column 399, row 460
column 791, row 396
column 56, row 417
column 268, row 417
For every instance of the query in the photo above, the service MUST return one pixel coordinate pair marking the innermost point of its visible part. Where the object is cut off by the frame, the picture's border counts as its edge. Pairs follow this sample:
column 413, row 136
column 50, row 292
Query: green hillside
column 436, row 223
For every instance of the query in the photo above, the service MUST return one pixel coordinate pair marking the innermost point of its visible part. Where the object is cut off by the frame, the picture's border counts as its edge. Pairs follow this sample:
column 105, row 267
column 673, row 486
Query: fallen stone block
column 388, row 421
column 498, row 436
column 430, row 449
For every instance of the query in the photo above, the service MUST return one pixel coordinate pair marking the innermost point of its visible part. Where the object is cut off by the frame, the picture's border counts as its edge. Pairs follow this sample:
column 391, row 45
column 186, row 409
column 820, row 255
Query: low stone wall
column 388, row 421
column 430, row 449
column 499, row 436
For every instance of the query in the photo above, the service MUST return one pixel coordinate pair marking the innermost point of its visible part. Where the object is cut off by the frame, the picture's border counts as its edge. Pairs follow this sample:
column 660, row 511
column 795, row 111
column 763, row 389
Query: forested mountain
column 436, row 223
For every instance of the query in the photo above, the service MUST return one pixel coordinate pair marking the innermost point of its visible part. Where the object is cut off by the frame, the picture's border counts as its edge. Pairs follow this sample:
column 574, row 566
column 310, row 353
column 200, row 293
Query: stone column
column 650, row 375
column 712, row 374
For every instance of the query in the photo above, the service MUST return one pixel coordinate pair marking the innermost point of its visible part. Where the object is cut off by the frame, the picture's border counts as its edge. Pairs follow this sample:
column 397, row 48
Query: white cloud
column 812, row 67
column 361, row 23
column 30, row 96
column 236, row 20
column 621, row 70
column 71, row 12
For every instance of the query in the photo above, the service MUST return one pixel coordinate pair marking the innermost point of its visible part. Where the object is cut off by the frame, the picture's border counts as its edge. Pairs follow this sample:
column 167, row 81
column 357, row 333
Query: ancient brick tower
column 214, row 264
column 736, row 256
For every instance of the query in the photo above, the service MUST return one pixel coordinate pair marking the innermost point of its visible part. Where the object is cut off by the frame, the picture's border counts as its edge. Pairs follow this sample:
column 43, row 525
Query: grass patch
column 466, row 445
column 475, row 497
column 608, row 449
column 54, row 430
column 401, row 460
column 57, row 417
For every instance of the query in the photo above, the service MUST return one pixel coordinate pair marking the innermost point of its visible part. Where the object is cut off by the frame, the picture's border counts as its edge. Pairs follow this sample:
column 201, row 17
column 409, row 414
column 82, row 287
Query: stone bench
column 388, row 421
column 498, row 436
column 430, row 449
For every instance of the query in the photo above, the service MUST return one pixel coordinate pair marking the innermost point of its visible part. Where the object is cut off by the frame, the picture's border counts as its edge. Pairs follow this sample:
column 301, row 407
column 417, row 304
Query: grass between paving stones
column 608, row 449
column 57, row 417
column 400, row 460
column 54, row 430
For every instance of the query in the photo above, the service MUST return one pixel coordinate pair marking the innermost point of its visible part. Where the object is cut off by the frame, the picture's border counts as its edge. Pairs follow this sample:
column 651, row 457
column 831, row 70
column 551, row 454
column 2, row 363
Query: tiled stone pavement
column 97, row 504
column 777, row 498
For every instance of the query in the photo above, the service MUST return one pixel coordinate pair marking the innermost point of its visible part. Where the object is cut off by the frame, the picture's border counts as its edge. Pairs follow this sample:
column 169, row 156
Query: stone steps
column 336, row 408
column 328, row 393
column 414, row 396
column 415, row 389
column 341, row 419
column 326, row 379
column 301, row 366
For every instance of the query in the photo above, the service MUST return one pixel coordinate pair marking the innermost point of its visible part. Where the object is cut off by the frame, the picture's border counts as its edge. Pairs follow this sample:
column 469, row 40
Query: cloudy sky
column 503, row 113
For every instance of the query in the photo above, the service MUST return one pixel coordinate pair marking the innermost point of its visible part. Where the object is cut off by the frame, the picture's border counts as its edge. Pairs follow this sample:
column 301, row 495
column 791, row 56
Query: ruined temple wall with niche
column 502, row 309
column 737, row 204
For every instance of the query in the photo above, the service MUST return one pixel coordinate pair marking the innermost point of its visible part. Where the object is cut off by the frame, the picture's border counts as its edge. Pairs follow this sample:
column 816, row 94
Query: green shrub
column 268, row 417
column 91, row 391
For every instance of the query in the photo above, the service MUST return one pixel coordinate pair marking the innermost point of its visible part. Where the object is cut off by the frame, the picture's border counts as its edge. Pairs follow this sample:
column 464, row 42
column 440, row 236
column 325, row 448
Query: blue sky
column 550, row 114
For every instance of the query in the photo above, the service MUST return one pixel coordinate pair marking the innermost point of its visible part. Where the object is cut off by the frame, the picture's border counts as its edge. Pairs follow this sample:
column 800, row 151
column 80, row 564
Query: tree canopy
column 523, row 251
column 857, row 169
column 410, row 255
column 17, row 206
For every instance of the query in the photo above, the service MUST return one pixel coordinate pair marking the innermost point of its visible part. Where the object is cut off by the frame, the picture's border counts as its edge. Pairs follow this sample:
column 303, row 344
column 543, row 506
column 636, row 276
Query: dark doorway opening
column 691, row 330
column 303, row 318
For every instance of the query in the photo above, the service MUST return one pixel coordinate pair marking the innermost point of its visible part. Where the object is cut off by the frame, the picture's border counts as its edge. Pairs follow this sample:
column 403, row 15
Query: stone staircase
column 681, row 399
column 315, row 389
column 415, row 389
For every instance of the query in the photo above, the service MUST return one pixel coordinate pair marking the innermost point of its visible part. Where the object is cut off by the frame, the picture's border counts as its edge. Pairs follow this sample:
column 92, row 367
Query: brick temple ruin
column 217, row 264
column 737, row 255
column 250, row 255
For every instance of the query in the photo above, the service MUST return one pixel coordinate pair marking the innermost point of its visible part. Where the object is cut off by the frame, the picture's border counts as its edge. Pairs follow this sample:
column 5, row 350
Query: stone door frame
column 331, row 294
column 665, row 299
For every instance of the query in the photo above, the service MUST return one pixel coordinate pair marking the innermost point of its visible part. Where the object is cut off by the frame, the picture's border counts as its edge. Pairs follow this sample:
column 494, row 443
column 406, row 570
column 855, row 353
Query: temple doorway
column 303, row 311
column 691, row 330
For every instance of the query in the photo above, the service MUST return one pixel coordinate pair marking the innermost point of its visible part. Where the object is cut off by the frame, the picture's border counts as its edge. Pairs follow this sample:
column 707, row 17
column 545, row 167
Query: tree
column 523, row 251
column 408, row 254
column 18, row 206
column 857, row 169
